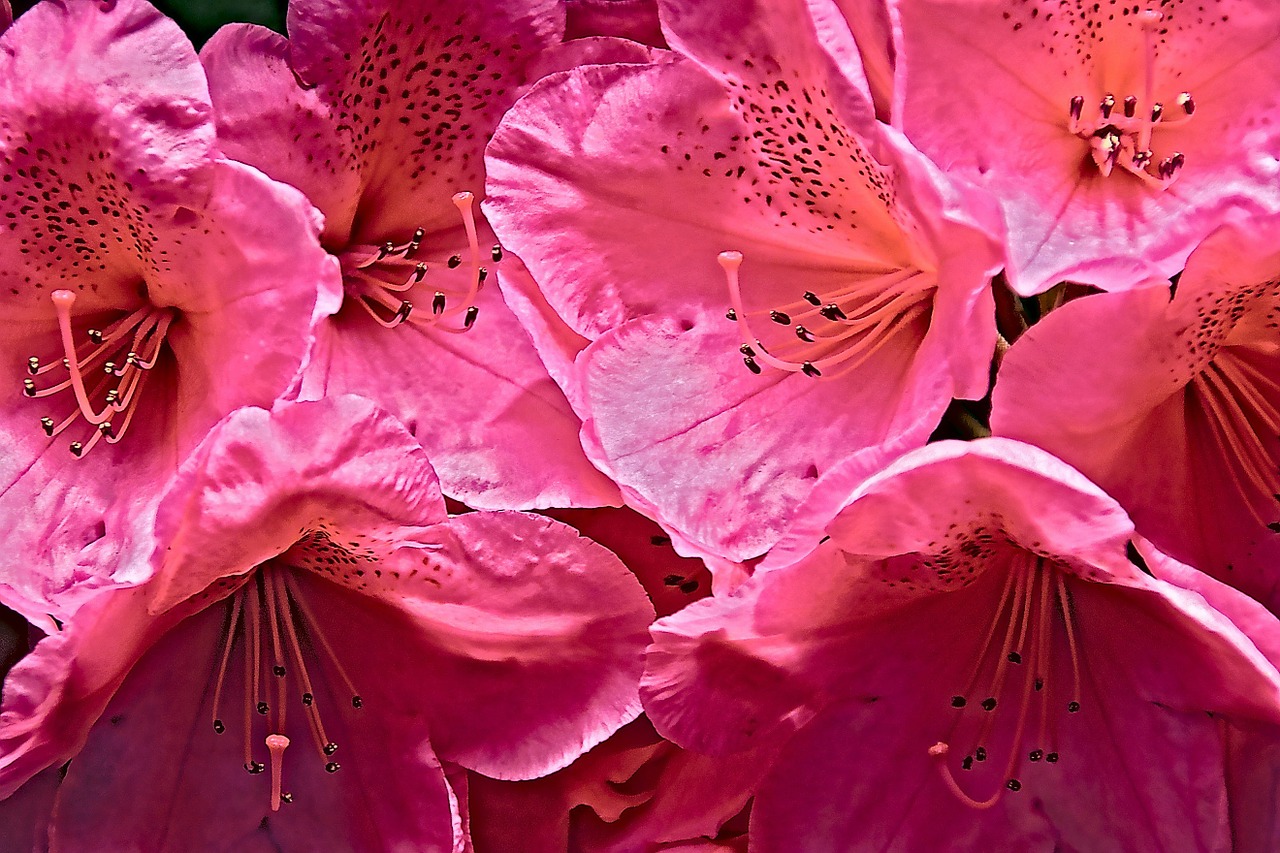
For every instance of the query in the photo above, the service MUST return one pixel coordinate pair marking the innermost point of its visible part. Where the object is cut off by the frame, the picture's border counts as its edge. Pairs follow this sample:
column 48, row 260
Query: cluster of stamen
column 1017, row 671
column 1237, row 399
column 267, row 617
column 833, row 334
column 1119, row 134
column 105, row 372
column 379, row 278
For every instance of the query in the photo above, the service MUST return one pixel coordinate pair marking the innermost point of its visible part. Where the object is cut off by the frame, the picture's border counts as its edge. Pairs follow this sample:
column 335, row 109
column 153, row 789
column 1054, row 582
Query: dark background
column 201, row 18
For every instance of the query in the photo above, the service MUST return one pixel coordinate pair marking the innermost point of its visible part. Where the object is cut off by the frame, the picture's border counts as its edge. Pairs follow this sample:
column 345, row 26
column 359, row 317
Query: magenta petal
column 636, row 20
column 187, row 786
column 478, row 402
column 6, row 15
column 534, row 636
column 24, row 816
column 261, row 479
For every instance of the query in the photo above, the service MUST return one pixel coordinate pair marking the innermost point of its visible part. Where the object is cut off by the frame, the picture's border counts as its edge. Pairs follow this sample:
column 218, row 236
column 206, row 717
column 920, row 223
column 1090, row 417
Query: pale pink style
column 862, row 299
column 314, row 609
column 1168, row 398
column 1115, row 135
column 179, row 287
column 984, row 654
column 380, row 110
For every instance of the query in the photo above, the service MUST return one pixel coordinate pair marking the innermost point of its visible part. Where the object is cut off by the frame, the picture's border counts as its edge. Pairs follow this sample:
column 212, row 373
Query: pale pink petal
column 499, row 431
column 557, row 344
column 261, row 480
column 266, row 118
column 531, row 640
column 733, row 437
column 965, row 68
column 869, row 24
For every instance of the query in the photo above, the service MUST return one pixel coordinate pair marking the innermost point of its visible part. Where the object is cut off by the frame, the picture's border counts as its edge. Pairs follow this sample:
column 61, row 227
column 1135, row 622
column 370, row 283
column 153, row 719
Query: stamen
column 276, row 745
column 322, row 741
column 313, row 626
column 233, row 622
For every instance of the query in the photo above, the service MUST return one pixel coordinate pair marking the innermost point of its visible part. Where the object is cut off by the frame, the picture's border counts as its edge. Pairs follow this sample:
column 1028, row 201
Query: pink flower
column 380, row 111
column 1116, row 136
column 148, row 288
column 1168, row 399
column 862, row 302
column 316, row 619
column 985, row 655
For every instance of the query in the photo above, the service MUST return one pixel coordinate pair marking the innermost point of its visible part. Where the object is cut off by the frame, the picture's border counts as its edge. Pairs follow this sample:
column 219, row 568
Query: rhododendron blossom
column 148, row 288
column 1169, row 398
column 984, row 654
column 316, row 632
column 1116, row 135
column 379, row 110
column 855, row 277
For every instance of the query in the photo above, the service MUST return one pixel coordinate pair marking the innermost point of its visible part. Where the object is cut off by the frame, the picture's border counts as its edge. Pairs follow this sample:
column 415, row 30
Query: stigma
column 1010, row 711
column 828, row 335
column 1119, row 127
column 271, row 622
column 381, row 278
column 104, row 372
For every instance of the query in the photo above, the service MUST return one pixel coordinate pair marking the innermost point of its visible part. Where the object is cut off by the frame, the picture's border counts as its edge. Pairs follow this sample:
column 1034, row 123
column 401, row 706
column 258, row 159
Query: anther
column 1014, row 657
column 746, row 350
column 106, row 430
column 263, row 708
column 307, row 699
column 437, row 303
column 1077, row 107
column 1035, row 754
column 958, row 702
column 1187, row 103
column 1130, row 106
column 780, row 318
column 255, row 767
column 418, row 234
column 812, row 298
column 1073, row 707
column 333, row 767
column 470, row 318
column 357, row 702
column 989, row 704
column 1157, row 110
column 1052, row 758
column 483, row 274
column 980, row 753
column 809, row 370
column 967, row 763
column 419, row 273
column 833, row 313
column 454, row 262
column 278, row 670
column 219, row 727
column 1107, row 105
column 29, row 387
column 731, row 315
column 330, row 748
column 496, row 254
column 76, row 448
column 47, row 425
column 109, row 367
column 286, row 797
column 95, row 336
column 1013, row 785
column 804, row 334
column 33, row 365
column 752, row 365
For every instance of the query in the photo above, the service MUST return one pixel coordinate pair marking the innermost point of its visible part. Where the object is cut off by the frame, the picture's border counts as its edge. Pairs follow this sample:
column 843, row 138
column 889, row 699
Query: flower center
column 1017, row 672
column 379, row 278
column 1119, row 130
column 268, row 618
column 1239, row 404
column 832, row 334
column 121, row 355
